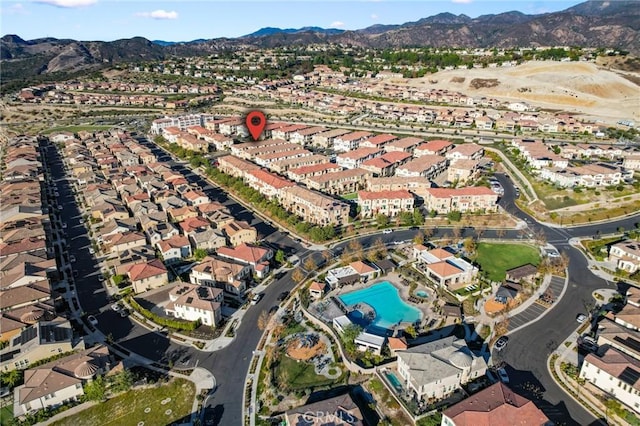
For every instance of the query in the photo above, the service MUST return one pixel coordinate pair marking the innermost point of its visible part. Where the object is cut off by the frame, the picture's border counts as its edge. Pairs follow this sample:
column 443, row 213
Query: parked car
column 387, row 231
column 256, row 298
column 283, row 296
column 92, row 320
column 115, row 307
column 64, row 225
column 502, row 374
column 581, row 318
column 91, row 250
column 501, row 343
column 72, row 258
column 273, row 309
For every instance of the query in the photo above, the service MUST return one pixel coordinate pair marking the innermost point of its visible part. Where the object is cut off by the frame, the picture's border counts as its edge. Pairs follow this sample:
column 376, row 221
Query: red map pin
column 255, row 122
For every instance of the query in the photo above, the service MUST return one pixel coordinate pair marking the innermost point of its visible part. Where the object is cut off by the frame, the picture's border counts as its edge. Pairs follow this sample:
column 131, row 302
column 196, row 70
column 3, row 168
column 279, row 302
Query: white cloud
column 14, row 9
column 374, row 16
column 336, row 24
column 68, row 3
column 462, row 1
column 159, row 14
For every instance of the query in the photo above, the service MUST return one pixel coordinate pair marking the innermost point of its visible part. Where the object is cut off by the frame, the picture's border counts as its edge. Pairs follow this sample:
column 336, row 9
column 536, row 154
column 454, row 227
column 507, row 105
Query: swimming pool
column 384, row 299
column 422, row 293
column 394, row 382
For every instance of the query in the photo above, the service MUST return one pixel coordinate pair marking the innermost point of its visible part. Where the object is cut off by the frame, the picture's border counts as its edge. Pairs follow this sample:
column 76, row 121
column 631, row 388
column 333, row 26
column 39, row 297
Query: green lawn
column 75, row 129
column 496, row 259
column 301, row 374
column 129, row 408
column 6, row 414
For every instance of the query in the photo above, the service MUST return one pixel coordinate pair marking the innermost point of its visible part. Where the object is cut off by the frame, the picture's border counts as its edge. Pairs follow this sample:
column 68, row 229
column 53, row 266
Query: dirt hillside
column 575, row 87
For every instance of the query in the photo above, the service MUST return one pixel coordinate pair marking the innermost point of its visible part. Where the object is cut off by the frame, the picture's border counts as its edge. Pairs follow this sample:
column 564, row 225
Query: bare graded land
column 575, row 87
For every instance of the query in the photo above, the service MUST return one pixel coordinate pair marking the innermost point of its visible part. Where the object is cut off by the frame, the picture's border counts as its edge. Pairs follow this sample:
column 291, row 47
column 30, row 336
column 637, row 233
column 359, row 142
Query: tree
column 411, row 331
column 305, row 297
column 11, row 378
column 500, row 233
column 502, row 326
column 419, row 238
column 454, row 216
column 348, row 336
column 428, row 232
column 480, row 231
column 280, row 257
column 470, row 246
column 378, row 251
column 199, row 254
column 539, row 237
column 297, row 275
column 263, row 320
column 457, row 232
column 123, row 381
column 310, row 264
column 382, row 220
column 354, row 249
column 418, row 217
column 327, row 256
column 96, row 390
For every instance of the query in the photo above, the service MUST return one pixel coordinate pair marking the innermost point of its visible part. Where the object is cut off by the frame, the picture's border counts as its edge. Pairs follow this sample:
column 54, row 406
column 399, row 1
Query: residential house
column 336, row 411
column 626, row 255
column 436, row 369
column 442, row 267
column 496, row 405
column 120, row 242
column 38, row 341
column 221, row 273
column 326, row 139
column 147, row 275
column 408, row 144
column 160, row 232
column 256, row 257
column 240, row 232
column 317, row 289
column 462, row 171
column 55, row 383
column 174, row 249
column 340, row 182
column 353, row 159
column 616, row 373
column 196, row 303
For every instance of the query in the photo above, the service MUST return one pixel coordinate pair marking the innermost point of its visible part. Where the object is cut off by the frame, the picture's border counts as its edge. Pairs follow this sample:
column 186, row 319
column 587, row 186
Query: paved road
column 230, row 365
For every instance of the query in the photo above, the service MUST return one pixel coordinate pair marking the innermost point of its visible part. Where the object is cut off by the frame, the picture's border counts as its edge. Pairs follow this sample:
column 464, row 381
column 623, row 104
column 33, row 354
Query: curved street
column 525, row 356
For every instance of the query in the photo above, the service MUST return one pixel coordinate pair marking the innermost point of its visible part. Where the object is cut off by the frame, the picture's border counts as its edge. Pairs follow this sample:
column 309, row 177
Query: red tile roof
column 460, row 192
column 385, row 195
column 496, row 405
column 141, row 271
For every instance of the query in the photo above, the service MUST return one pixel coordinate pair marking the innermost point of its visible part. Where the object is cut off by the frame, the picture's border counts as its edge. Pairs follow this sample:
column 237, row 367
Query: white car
column 256, row 298
column 115, row 307
column 91, row 250
column 504, row 377
column 64, row 225
column 387, row 231
column 581, row 318
column 59, row 206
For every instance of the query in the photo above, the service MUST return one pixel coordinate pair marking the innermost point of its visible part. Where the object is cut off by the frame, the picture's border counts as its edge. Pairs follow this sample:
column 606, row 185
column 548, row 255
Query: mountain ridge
column 594, row 23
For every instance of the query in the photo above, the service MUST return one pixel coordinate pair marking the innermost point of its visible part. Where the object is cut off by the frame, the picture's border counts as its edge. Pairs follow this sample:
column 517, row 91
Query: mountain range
column 594, row 23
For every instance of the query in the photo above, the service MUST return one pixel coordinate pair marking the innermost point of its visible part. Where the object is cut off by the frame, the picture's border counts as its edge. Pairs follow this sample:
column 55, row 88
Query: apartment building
column 341, row 182
column 266, row 183
column 325, row 139
column 389, row 203
column 349, row 141
column 469, row 199
column 427, row 166
column 408, row 144
column 300, row 174
column 434, row 147
column 354, row 158
column 378, row 141
column 589, row 175
column 314, row 207
column 235, row 166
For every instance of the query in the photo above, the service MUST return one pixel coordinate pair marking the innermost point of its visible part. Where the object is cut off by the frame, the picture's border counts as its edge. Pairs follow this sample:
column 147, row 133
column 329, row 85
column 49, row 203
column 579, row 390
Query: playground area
column 303, row 347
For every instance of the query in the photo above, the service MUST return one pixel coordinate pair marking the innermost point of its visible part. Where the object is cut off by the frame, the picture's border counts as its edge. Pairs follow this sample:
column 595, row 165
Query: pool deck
column 403, row 291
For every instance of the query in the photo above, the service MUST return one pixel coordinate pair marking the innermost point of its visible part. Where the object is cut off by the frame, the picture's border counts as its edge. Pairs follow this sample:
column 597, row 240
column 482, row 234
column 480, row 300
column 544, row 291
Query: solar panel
column 629, row 376
column 629, row 342
column 189, row 300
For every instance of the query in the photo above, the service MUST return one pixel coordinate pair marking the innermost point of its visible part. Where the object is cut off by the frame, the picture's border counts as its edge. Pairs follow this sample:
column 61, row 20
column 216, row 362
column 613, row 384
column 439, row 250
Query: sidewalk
column 584, row 394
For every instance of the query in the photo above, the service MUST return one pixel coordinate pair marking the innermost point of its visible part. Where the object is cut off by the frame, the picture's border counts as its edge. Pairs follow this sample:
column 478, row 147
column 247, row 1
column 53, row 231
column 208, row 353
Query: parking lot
column 535, row 310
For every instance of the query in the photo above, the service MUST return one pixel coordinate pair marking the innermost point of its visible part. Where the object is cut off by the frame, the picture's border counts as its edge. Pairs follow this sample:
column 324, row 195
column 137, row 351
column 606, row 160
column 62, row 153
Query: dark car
column 273, row 309
column 501, row 343
column 283, row 296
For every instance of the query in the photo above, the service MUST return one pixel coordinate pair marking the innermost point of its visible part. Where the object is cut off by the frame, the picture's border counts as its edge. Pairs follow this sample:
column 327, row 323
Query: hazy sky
column 189, row 20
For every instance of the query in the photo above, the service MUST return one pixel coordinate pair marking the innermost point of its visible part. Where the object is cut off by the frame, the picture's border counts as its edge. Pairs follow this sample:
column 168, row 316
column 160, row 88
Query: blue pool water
column 394, row 381
column 384, row 299
column 422, row 293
